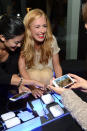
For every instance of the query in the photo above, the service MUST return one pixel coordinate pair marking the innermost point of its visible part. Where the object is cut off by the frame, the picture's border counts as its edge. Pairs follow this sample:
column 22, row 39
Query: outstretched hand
column 58, row 90
column 37, row 93
column 79, row 82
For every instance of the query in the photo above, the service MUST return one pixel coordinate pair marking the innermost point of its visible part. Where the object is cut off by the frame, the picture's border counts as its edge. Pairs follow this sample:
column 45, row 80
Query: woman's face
column 38, row 29
column 13, row 44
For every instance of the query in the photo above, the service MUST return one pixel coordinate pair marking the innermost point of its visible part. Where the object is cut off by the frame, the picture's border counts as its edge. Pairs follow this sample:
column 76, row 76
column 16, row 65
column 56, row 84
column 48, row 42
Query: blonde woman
column 39, row 55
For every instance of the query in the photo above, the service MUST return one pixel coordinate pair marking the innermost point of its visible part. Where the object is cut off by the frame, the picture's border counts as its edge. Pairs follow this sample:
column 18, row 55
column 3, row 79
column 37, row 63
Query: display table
column 44, row 121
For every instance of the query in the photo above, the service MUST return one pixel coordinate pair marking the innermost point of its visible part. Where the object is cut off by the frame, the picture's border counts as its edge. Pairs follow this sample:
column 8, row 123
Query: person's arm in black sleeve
column 4, row 77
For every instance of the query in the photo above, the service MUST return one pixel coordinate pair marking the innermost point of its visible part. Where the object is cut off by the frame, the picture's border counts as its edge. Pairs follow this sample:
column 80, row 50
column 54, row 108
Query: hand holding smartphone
column 63, row 81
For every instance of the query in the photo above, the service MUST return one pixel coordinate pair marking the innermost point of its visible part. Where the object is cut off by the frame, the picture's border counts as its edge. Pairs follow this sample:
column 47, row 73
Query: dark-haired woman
column 11, row 38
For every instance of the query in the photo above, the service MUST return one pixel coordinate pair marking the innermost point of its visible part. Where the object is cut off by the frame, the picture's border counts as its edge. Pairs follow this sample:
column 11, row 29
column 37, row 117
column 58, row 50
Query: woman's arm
column 74, row 104
column 76, row 107
column 15, row 80
column 5, row 78
column 25, row 75
column 9, row 79
column 22, row 68
column 56, row 65
column 55, row 58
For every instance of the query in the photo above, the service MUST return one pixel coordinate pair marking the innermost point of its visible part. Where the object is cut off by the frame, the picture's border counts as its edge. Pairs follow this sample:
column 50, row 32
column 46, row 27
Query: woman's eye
column 45, row 26
column 37, row 27
column 16, row 42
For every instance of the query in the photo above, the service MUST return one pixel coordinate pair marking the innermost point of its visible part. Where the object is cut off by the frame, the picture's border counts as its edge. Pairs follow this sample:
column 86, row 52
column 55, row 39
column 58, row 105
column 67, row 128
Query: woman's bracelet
column 20, row 81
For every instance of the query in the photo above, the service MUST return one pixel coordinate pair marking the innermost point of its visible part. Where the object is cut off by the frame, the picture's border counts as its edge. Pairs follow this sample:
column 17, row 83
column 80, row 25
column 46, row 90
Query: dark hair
column 11, row 26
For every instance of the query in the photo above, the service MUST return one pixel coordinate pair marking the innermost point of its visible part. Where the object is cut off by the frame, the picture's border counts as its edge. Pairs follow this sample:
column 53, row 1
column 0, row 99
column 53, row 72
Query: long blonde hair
column 28, row 50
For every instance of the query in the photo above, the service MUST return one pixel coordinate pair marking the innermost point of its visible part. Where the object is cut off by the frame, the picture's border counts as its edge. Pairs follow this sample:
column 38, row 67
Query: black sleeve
column 9, row 67
column 4, row 77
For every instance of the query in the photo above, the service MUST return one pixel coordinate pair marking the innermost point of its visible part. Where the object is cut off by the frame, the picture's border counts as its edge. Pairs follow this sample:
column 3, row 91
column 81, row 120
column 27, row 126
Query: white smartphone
column 63, row 81
column 19, row 96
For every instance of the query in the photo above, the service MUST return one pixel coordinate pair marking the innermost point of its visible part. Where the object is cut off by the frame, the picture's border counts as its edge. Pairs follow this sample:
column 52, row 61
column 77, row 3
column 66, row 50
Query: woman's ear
column 86, row 25
column 2, row 38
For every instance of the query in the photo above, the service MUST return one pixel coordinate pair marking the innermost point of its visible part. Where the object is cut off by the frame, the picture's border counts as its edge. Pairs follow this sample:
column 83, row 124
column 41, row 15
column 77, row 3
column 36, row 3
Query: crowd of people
column 29, row 56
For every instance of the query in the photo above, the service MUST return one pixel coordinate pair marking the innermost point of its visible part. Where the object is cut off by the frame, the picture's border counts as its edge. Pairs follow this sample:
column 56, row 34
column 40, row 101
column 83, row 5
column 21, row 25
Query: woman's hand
column 24, row 89
column 37, row 93
column 79, row 82
column 58, row 90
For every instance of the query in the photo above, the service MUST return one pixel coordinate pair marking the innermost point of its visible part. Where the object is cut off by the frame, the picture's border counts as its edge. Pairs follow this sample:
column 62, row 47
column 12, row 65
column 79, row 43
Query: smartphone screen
column 63, row 81
column 19, row 96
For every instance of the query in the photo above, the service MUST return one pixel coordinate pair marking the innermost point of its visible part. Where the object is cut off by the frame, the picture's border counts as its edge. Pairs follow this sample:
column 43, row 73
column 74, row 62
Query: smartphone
column 63, row 81
column 19, row 96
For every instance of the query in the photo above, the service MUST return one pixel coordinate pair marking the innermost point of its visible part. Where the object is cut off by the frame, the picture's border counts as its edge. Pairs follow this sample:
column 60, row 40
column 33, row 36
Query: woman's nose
column 42, row 30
